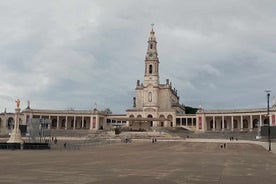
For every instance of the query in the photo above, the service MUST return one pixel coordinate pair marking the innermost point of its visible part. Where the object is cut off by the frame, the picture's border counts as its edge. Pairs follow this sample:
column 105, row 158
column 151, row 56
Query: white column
column 49, row 125
column 222, row 124
column 186, row 122
column 66, row 122
column 57, row 122
column 232, row 123
column 251, row 123
column 261, row 121
column 214, row 123
column 74, row 124
column 91, row 122
column 82, row 122
column 241, row 123
column 97, row 122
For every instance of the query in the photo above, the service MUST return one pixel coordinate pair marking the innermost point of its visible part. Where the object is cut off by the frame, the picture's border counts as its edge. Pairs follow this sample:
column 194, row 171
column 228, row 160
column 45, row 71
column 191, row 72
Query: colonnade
column 235, row 122
column 187, row 121
column 70, row 121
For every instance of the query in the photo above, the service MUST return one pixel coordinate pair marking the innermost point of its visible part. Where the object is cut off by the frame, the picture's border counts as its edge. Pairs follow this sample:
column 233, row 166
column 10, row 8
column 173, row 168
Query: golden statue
column 17, row 103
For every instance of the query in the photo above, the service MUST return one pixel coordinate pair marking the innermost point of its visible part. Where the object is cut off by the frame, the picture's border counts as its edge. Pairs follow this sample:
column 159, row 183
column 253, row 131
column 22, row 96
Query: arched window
column 150, row 96
column 150, row 69
column 151, row 46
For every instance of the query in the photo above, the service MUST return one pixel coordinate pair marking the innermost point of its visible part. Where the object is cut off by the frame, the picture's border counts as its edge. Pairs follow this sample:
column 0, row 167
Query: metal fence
column 38, row 129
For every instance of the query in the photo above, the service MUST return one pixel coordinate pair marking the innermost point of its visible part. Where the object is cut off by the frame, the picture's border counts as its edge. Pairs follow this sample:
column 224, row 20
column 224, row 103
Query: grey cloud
column 75, row 53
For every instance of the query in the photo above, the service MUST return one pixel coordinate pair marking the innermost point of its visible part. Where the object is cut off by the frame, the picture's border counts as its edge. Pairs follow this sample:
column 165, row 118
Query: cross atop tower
column 152, row 26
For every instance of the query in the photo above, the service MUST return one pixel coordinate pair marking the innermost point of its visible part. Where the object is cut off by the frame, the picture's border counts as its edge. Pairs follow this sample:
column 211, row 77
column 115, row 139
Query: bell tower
column 151, row 62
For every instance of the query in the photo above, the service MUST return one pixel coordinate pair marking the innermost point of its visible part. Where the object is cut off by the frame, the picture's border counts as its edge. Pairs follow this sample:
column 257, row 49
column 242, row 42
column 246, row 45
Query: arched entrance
column 84, row 124
column 170, row 117
column 131, row 122
column 235, row 124
column 63, row 123
column 54, row 123
column 266, row 122
column 255, row 123
column 245, row 123
column 10, row 124
column 211, row 124
column 151, row 122
column 72, row 124
column 162, row 122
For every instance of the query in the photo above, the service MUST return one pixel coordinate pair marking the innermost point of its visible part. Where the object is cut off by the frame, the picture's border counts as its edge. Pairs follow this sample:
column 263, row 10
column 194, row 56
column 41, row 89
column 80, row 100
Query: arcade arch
column 236, row 125
column 245, row 123
column 162, row 122
column 170, row 118
column 10, row 124
column 63, row 123
column 151, row 122
column 54, row 123
column 255, row 123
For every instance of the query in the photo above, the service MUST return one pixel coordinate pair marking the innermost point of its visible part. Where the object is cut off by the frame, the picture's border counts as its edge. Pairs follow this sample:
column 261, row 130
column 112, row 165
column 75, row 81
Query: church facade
column 154, row 100
column 155, row 105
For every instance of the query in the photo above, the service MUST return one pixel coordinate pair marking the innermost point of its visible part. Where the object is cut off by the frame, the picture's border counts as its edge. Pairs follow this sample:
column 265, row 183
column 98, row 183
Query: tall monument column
column 16, row 133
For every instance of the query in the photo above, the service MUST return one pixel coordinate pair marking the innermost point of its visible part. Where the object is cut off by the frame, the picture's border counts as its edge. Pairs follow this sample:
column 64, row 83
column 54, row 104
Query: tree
column 107, row 111
column 190, row 110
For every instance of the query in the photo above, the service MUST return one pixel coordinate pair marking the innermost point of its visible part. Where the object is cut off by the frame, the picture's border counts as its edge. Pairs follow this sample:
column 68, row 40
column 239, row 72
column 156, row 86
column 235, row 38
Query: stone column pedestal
column 16, row 133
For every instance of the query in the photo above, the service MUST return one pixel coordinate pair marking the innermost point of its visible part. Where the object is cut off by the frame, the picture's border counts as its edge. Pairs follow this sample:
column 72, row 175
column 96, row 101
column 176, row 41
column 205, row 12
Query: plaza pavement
column 190, row 161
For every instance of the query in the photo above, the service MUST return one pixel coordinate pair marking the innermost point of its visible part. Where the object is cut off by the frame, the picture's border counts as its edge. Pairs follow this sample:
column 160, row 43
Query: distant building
column 155, row 105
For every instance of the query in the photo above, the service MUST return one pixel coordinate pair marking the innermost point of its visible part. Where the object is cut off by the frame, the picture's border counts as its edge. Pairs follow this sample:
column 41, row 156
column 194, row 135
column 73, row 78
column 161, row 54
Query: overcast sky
column 72, row 53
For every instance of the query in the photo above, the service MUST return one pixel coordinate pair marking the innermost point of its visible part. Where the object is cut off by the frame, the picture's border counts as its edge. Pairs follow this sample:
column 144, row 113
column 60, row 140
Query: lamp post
column 268, row 120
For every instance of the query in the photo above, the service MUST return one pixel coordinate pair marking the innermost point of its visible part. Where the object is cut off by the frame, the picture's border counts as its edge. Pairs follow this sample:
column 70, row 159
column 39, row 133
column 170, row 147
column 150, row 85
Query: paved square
column 142, row 162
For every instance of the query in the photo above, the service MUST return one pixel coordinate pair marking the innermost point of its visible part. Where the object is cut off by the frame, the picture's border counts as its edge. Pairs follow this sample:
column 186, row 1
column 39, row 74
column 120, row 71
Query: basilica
column 155, row 105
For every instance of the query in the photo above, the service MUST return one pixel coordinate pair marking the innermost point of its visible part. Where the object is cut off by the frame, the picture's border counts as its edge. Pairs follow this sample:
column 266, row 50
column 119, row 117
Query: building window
column 150, row 68
column 151, row 46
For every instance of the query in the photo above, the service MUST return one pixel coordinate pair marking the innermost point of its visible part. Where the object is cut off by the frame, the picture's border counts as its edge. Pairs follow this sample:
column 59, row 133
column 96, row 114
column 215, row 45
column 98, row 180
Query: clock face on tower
column 150, row 54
